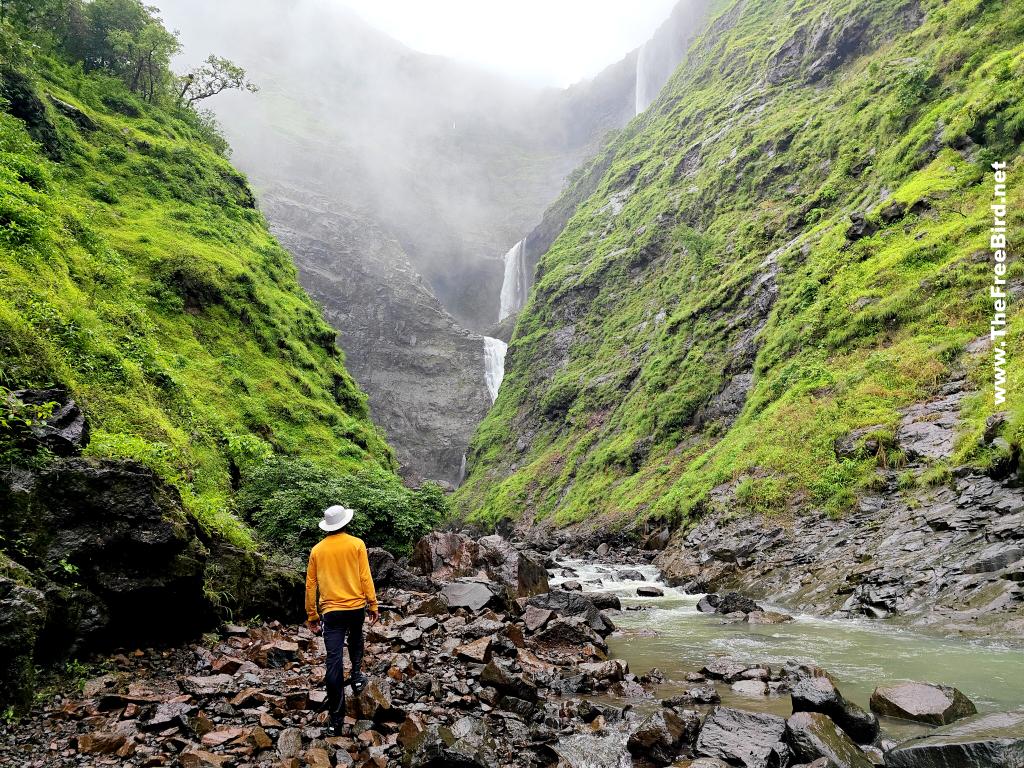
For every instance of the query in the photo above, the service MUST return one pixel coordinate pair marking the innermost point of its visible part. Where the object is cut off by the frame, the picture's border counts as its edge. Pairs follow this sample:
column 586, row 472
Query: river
column 671, row 634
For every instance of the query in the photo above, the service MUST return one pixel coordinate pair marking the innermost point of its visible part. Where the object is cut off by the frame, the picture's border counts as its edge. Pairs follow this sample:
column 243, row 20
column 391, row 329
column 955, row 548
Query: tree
column 215, row 75
column 144, row 58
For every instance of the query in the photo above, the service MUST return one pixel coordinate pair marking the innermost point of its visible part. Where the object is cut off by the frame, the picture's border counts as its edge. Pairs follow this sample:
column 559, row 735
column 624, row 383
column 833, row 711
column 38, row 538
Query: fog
column 457, row 162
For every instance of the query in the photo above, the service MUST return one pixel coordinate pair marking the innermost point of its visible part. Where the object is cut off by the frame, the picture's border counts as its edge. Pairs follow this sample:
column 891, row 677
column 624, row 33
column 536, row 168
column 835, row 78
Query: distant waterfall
column 514, row 286
column 643, row 98
column 494, row 364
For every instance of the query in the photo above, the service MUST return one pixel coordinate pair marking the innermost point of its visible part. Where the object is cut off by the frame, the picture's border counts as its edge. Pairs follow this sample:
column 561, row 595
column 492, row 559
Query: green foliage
column 284, row 498
column 137, row 273
column 731, row 183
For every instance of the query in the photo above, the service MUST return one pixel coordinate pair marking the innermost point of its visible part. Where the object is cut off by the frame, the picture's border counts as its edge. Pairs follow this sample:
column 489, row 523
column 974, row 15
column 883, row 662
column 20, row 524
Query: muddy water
column 670, row 634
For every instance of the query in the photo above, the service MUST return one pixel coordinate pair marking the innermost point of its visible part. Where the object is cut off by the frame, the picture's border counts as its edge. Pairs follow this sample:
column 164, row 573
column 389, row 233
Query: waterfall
column 514, row 286
column 462, row 470
column 643, row 100
column 494, row 364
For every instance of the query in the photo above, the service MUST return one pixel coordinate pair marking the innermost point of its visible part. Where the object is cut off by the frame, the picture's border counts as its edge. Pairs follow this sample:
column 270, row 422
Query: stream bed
column 672, row 635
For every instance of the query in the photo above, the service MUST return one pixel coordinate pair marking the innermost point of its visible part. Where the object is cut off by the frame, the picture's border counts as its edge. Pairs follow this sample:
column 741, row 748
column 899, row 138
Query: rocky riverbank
column 477, row 661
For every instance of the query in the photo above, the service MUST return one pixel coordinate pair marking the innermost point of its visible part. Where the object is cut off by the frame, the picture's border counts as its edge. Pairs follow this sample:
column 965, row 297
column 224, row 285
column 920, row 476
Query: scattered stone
column 101, row 742
column 660, row 738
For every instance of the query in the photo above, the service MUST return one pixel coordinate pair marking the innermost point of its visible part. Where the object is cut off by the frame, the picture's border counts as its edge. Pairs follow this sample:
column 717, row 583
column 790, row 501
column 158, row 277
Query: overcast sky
column 545, row 42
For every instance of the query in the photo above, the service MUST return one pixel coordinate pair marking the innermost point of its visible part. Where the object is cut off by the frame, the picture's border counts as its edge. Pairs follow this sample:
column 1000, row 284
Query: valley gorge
column 672, row 405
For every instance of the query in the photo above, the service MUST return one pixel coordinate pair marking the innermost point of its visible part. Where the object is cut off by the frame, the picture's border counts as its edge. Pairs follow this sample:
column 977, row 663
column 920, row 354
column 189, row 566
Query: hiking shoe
column 336, row 727
column 359, row 682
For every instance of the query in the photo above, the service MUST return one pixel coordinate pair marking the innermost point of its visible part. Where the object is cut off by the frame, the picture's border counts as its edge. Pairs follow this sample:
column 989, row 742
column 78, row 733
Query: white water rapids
column 669, row 633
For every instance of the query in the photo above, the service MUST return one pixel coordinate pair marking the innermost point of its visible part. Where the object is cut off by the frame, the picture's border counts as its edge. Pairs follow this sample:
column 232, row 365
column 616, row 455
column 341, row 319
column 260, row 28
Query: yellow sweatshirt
column 340, row 571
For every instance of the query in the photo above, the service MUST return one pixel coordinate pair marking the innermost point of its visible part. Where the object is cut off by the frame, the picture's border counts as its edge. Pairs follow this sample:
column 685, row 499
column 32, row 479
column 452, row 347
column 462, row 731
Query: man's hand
column 314, row 626
column 374, row 616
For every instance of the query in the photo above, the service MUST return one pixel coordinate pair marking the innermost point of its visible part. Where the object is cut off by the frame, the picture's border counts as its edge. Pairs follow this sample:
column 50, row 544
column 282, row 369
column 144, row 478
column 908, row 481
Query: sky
column 545, row 42
column 542, row 42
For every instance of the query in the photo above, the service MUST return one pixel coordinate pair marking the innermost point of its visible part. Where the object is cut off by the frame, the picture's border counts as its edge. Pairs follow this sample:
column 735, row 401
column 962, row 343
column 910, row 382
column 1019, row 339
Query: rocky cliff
column 448, row 164
column 784, row 257
column 424, row 375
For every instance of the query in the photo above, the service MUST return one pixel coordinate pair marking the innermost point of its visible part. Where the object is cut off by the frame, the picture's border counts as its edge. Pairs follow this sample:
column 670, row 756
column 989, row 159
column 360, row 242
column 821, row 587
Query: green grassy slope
column 716, row 247
column 137, row 272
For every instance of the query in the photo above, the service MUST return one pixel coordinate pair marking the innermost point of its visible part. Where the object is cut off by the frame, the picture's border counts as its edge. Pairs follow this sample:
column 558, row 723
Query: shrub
column 283, row 498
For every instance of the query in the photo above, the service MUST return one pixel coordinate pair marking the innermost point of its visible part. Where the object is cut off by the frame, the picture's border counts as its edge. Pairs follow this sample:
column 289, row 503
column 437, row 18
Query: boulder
column 630, row 574
column 470, row 593
column 387, row 573
column 572, row 586
column 812, row 735
column 535, row 618
column 571, row 604
column 708, row 603
column 605, row 601
column 569, row 634
column 22, row 617
column 660, row 738
column 819, row 694
column 373, row 702
column 748, row 739
column 704, row 694
column 438, row 747
column 768, row 617
column 985, row 741
column 750, row 687
column 650, row 591
column 445, row 555
column 922, row 702
column 65, row 432
column 610, row 671
column 500, row 677
column 860, row 227
column 734, row 602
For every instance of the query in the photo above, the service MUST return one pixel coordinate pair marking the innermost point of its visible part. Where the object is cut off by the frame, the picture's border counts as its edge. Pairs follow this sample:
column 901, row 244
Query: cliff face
column 770, row 282
column 424, row 375
column 449, row 165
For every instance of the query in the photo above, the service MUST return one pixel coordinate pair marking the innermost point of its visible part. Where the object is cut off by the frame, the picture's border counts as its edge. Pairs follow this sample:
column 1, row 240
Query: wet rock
column 22, row 616
column 708, row 603
column 388, row 573
column 729, row 670
column 661, row 737
column 706, row 762
column 734, row 602
column 812, row 735
column 819, row 694
column 985, row 741
column 572, row 586
column 922, row 702
column 445, row 555
column 629, row 575
column 650, row 591
column 748, row 739
column 768, row 617
column 605, row 601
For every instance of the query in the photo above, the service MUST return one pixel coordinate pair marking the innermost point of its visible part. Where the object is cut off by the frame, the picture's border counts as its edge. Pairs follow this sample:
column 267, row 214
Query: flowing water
column 494, row 364
column 515, row 285
column 671, row 634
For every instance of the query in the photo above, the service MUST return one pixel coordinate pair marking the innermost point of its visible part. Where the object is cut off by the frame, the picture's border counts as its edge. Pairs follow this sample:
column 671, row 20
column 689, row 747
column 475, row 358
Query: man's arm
column 366, row 581
column 312, row 614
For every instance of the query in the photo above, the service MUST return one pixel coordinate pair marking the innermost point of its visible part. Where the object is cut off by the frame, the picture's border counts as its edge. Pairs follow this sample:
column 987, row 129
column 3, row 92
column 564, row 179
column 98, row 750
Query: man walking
column 339, row 592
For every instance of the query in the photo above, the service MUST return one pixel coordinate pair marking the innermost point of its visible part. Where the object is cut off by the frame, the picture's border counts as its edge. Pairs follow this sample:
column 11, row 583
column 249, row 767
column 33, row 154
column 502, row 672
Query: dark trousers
column 340, row 626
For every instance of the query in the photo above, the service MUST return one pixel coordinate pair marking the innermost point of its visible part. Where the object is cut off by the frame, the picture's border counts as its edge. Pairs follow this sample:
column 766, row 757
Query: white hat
column 336, row 517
